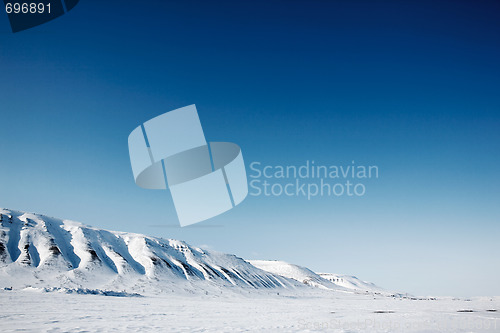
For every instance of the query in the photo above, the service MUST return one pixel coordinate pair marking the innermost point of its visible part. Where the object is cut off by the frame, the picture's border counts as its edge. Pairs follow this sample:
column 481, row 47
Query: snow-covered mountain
column 45, row 252
column 301, row 274
column 42, row 251
column 319, row 280
column 351, row 282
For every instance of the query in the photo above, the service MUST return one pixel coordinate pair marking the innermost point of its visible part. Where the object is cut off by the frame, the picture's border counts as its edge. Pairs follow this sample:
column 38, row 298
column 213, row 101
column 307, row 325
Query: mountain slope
column 295, row 272
column 319, row 280
column 43, row 251
column 351, row 282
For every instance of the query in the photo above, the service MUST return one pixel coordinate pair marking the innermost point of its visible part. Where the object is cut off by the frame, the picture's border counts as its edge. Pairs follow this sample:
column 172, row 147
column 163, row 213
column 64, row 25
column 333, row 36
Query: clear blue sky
column 410, row 86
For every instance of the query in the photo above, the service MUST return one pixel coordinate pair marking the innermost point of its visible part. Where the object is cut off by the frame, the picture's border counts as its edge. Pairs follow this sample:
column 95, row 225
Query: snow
column 320, row 280
column 59, row 275
column 42, row 251
column 295, row 272
column 329, row 311
column 351, row 282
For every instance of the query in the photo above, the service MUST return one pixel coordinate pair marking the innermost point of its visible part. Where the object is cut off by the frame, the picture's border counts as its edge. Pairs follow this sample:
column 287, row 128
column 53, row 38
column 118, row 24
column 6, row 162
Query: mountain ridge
column 81, row 255
column 47, row 252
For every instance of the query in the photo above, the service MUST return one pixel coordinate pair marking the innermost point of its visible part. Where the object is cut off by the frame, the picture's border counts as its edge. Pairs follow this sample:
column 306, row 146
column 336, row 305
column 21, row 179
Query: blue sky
column 411, row 87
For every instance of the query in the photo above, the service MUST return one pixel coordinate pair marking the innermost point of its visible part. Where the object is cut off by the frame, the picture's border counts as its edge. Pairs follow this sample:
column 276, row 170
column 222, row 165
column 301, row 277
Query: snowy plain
column 38, row 311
